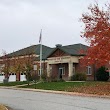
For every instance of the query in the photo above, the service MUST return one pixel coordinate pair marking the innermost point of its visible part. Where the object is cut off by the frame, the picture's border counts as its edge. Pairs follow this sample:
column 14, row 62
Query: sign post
column 35, row 69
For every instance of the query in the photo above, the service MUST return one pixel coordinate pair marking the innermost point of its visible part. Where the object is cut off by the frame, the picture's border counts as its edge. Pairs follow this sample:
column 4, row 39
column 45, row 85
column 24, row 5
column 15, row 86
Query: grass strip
column 88, row 87
column 13, row 83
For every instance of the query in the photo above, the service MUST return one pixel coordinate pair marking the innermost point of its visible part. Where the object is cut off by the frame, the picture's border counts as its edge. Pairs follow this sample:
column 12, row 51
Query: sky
column 22, row 20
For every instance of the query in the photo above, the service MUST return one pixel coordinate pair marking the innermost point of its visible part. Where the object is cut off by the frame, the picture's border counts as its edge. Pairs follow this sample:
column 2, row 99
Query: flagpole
column 40, row 53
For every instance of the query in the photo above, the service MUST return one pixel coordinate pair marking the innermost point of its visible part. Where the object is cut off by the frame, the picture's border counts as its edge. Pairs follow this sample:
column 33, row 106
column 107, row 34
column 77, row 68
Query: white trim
column 89, row 70
column 25, row 56
column 63, row 70
column 74, row 70
column 39, row 72
column 34, row 67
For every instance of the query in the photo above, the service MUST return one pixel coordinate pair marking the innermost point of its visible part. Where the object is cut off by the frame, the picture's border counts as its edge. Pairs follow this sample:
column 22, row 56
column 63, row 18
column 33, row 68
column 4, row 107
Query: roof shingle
column 72, row 50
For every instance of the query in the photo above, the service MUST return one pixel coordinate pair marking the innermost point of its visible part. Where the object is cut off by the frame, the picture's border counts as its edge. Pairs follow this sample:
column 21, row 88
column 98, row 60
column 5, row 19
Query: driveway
column 29, row 100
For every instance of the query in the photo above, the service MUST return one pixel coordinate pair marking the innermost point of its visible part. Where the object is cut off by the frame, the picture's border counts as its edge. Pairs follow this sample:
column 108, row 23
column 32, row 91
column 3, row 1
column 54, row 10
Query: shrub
column 79, row 77
column 35, row 77
column 102, row 74
column 28, row 76
column 44, row 77
column 54, row 78
column 60, row 80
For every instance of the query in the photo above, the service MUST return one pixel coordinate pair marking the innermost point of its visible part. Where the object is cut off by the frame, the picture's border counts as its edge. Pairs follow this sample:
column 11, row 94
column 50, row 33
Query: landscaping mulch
column 98, row 88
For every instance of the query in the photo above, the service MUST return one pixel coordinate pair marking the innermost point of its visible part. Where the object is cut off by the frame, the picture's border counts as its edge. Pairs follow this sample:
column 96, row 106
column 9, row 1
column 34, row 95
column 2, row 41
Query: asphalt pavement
column 32, row 100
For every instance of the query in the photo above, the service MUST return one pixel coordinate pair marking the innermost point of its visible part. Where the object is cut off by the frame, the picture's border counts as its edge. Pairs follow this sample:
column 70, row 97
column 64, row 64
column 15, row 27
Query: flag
column 40, row 41
column 40, row 38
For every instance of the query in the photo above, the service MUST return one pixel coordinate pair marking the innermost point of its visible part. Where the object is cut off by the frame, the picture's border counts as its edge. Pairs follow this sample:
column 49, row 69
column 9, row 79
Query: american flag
column 40, row 38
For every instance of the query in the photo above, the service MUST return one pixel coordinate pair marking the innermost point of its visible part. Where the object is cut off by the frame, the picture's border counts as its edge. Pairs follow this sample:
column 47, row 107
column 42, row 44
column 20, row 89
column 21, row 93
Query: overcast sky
column 22, row 20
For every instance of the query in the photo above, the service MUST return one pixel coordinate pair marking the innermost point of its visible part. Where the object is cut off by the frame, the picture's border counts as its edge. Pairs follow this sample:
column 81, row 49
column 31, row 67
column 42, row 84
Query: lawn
column 88, row 87
column 13, row 83
column 100, row 88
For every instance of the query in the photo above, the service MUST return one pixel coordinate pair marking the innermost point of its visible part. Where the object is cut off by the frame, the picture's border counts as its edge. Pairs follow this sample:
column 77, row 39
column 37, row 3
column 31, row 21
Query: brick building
column 20, row 59
column 62, row 61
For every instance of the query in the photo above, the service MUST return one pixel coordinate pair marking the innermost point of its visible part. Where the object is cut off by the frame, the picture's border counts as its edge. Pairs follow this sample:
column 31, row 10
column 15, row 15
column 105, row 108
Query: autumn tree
column 11, row 65
column 17, row 67
column 23, row 64
column 97, row 34
column 6, row 63
column 28, row 61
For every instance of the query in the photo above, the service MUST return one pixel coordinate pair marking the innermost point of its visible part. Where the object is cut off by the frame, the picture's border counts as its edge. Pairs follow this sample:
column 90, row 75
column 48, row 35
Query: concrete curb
column 58, row 92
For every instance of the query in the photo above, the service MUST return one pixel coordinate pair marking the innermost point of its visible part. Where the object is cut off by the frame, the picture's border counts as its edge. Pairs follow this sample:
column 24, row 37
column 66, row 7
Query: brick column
column 17, row 76
column 48, row 70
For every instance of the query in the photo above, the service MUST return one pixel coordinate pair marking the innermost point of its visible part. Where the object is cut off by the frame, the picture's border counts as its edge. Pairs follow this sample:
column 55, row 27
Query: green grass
column 88, row 87
column 62, row 86
column 13, row 83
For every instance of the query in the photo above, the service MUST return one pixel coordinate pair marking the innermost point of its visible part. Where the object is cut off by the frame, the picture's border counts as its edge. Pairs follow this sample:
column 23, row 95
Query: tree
column 23, row 63
column 102, row 74
column 28, row 62
column 6, row 63
column 11, row 65
column 17, row 67
column 97, row 34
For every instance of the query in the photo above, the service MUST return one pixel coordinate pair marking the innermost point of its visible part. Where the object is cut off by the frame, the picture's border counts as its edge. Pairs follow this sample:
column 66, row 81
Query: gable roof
column 34, row 49
column 73, row 50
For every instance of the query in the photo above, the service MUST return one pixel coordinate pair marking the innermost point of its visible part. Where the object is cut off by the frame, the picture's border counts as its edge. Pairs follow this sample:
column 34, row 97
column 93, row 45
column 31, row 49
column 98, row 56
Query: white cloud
column 21, row 21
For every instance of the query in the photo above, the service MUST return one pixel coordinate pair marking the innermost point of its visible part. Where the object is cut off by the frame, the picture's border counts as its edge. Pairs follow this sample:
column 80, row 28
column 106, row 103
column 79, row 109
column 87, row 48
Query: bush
column 102, row 74
column 79, row 77
column 35, row 77
column 60, row 80
column 54, row 78
column 28, row 77
column 44, row 77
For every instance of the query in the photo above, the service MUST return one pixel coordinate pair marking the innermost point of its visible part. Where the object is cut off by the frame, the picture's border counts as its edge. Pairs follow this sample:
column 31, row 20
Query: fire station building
column 61, row 61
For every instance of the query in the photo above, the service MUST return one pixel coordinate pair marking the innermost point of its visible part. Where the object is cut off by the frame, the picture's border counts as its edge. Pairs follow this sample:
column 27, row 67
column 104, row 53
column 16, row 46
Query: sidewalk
column 25, row 84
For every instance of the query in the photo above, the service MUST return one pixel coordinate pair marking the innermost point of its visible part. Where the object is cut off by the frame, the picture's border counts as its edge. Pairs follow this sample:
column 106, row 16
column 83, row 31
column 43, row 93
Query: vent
column 58, row 45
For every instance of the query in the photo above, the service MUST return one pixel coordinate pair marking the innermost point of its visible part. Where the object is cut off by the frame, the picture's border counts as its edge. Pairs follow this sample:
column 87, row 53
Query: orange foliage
column 97, row 33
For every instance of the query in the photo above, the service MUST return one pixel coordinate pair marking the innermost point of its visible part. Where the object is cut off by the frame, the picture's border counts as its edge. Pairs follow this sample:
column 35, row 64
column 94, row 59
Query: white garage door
column 22, row 77
column 12, row 77
column 2, row 77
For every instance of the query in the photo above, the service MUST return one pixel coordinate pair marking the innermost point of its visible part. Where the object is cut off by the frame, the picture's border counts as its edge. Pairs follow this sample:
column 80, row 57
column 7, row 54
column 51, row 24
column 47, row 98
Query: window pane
column 88, row 70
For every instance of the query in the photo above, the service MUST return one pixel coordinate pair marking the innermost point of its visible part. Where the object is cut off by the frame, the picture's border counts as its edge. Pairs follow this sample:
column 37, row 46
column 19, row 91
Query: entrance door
column 61, row 72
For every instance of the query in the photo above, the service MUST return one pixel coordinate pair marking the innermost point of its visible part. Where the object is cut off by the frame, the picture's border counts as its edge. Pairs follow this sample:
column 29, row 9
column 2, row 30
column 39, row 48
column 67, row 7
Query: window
column 62, row 70
column 50, row 69
column 73, row 70
column 89, row 72
column 35, row 67
column 39, row 72
column 21, row 73
column 13, row 74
